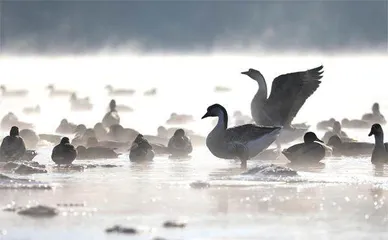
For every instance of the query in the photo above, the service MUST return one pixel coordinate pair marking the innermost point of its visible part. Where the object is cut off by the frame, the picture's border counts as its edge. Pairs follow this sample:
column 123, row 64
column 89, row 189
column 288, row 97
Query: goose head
column 109, row 88
column 112, row 105
column 215, row 110
column 179, row 133
column 310, row 137
column 65, row 140
column 376, row 130
column 337, row 127
column 253, row 73
column 14, row 131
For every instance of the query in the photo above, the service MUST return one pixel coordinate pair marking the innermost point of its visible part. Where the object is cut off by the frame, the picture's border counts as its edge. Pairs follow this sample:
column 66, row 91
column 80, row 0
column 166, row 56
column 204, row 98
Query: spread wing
column 288, row 94
column 247, row 132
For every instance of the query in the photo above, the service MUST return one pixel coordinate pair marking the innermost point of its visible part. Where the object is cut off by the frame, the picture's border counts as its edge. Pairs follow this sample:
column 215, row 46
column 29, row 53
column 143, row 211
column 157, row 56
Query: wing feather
column 247, row 132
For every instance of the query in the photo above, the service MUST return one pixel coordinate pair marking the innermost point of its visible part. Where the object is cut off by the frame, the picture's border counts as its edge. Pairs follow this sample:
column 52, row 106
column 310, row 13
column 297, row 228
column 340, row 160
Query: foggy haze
column 79, row 27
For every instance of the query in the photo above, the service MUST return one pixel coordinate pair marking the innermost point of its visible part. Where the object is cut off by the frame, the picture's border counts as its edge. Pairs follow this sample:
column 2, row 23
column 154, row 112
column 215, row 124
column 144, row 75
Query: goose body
column 349, row 149
column 179, row 145
column 375, row 116
column 379, row 153
column 12, row 93
column 58, row 92
column 141, row 150
column 96, row 152
column 355, row 123
column 119, row 92
column 288, row 94
column 64, row 152
column 240, row 142
column 311, row 151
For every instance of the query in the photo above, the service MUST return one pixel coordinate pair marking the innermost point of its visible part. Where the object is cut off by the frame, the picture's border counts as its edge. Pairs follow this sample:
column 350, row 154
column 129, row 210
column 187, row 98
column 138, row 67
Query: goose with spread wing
column 240, row 142
column 288, row 94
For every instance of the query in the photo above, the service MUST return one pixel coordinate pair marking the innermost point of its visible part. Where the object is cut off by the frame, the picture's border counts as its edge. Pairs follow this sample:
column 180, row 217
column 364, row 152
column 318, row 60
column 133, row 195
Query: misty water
column 343, row 199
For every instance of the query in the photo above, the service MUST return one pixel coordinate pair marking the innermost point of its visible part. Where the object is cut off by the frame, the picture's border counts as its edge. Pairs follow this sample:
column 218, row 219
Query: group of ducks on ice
column 272, row 116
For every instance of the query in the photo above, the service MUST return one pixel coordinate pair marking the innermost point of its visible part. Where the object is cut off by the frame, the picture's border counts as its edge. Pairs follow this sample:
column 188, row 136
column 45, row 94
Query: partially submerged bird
column 288, row 94
column 58, row 92
column 179, row 145
column 150, row 92
column 112, row 117
column 325, row 124
column 141, row 150
column 375, row 116
column 119, row 92
column 240, row 142
column 336, row 130
column 310, row 151
column 31, row 110
column 64, row 152
column 12, row 148
column 12, row 93
column 354, row 123
column 349, row 149
column 379, row 153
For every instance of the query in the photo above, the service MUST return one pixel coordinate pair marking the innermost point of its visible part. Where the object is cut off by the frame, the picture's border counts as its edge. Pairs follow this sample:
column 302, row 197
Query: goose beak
column 246, row 72
column 319, row 140
column 370, row 134
column 205, row 116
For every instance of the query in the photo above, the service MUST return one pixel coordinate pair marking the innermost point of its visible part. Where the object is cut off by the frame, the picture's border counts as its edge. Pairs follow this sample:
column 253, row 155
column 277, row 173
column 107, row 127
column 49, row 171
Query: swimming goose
column 119, row 92
column 288, row 94
column 80, row 104
column 179, row 145
column 349, row 149
column 12, row 148
column 141, row 150
column 325, row 124
column 375, row 116
column 58, row 93
column 64, row 152
column 241, row 142
column 13, row 93
column 379, row 153
column 311, row 151
column 336, row 130
column 354, row 123
column 31, row 110
column 112, row 117
column 66, row 127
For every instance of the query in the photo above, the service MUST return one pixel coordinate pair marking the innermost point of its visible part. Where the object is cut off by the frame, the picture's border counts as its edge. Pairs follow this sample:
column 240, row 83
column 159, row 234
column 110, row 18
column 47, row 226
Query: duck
column 95, row 152
column 336, row 130
column 355, row 123
column 380, row 150
column 179, row 119
column 31, row 110
column 240, row 142
column 12, row 147
column 13, row 93
column 58, row 92
column 325, row 124
column 311, row 150
column 179, row 144
column 64, row 152
column 150, row 92
column 80, row 104
column 221, row 89
column 119, row 92
column 112, row 117
column 11, row 119
column 349, row 149
column 375, row 116
column 288, row 94
column 30, row 138
column 141, row 150
column 66, row 127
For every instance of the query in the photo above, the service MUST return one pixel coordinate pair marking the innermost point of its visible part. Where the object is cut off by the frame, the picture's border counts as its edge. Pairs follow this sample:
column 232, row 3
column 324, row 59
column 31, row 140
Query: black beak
column 246, row 72
column 205, row 116
column 370, row 134
column 319, row 140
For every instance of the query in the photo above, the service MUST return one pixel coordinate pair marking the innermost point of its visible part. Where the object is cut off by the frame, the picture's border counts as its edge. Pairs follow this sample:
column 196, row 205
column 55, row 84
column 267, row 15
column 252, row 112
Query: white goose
column 240, row 142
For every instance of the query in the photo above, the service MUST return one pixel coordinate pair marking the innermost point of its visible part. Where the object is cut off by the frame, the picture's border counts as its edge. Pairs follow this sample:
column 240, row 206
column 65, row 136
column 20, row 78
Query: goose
column 64, row 152
column 325, row 124
column 66, row 127
column 112, row 117
column 310, row 151
column 349, row 149
column 13, row 93
column 375, row 116
column 354, row 123
column 336, row 130
column 141, row 150
column 179, row 144
column 31, row 110
column 150, row 92
column 288, row 94
column 241, row 142
column 119, row 92
column 92, row 153
column 379, row 153
column 12, row 147
column 58, row 92
column 80, row 104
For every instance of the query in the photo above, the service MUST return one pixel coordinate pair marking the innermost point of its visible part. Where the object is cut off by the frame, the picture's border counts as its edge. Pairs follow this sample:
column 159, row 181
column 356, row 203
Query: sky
column 85, row 27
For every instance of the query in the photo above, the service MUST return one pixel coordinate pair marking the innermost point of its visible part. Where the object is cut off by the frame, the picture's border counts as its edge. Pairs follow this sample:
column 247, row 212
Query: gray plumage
column 288, row 94
column 379, row 153
column 311, row 151
column 241, row 142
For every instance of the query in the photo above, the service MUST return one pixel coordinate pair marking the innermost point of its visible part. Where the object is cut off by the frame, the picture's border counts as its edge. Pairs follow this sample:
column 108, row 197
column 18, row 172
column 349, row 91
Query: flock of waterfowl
column 271, row 123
